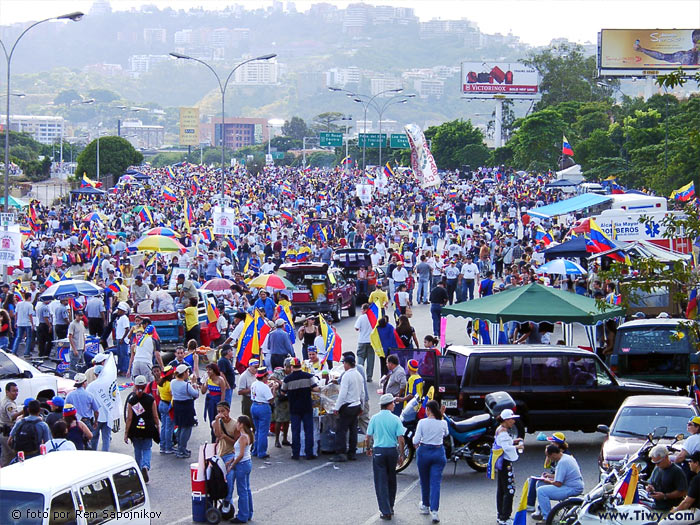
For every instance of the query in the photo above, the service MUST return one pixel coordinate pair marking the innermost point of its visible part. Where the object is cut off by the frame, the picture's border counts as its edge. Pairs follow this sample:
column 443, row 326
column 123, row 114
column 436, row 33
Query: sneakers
column 171, row 451
column 423, row 509
column 144, row 473
column 537, row 516
column 434, row 515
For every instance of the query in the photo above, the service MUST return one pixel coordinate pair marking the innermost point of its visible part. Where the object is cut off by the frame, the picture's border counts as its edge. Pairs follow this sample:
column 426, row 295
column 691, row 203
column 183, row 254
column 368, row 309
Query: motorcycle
column 468, row 439
column 604, row 505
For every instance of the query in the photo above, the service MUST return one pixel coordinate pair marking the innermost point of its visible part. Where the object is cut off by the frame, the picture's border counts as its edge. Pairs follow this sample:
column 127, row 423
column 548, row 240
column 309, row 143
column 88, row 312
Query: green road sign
column 399, row 141
column 277, row 155
column 331, row 139
column 372, row 140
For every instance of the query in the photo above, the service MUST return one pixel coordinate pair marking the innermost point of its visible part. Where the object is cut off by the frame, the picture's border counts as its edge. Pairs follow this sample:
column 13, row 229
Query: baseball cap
column 349, row 358
column 140, row 381
column 69, row 410
column 386, row 399
column 295, row 362
column 695, row 420
column 56, row 401
column 28, row 400
column 557, row 437
column 99, row 358
column 508, row 414
column 658, row 453
column 262, row 372
column 168, row 371
column 253, row 362
column 181, row 369
column 79, row 379
column 279, row 322
column 312, row 349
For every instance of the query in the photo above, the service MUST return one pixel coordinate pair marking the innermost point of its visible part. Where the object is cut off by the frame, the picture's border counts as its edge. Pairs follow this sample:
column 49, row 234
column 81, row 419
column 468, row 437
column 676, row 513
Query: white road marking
column 399, row 497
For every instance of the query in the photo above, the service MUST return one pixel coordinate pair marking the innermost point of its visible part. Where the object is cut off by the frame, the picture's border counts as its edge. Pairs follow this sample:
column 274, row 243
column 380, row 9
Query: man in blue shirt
column 386, row 431
column 567, row 481
column 84, row 402
column 265, row 302
column 279, row 344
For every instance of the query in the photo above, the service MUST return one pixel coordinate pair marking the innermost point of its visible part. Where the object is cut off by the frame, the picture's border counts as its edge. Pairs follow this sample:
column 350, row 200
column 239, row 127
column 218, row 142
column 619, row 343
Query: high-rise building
column 183, row 37
column 257, row 73
column 44, row 129
column 356, row 19
column 155, row 35
column 144, row 63
column 377, row 85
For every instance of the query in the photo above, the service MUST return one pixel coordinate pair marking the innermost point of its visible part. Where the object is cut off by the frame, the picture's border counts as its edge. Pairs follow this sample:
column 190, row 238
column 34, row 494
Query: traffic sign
column 8, row 219
column 331, row 139
column 399, row 141
column 277, row 155
column 371, row 140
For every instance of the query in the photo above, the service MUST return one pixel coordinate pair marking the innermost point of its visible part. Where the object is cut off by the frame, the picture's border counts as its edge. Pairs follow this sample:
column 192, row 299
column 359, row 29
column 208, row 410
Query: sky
column 536, row 22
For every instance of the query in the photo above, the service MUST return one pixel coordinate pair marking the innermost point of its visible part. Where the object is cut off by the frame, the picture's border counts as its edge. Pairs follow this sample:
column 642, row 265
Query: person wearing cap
column 165, row 396
column 98, row 360
column 45, row 328
column 9, row 412
column 78, row 432
column 24, row 319
column 438, row 298
column 384, row 433
column 56, row 403
column 84, row 402
column 298, row 386
column 468, row 277
column 364, row 344
column 414, row 383
column 183, row 394
column 559, row 439
column 430, row 455
column 348, row 407
column 140, row 291
column 186, row 289
column 279, row 344
column 33, row 417
column 142, row 425
column 668, row 484
column 690, row 445
column 262, row 397
column 505, row 479
column 566, row 482
column 265, row 303
column 691, row 503
column 313, row 364
column 121, row 330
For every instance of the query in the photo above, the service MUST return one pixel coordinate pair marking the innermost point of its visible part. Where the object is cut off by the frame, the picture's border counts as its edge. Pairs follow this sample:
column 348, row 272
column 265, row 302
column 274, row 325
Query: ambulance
column 628, row 226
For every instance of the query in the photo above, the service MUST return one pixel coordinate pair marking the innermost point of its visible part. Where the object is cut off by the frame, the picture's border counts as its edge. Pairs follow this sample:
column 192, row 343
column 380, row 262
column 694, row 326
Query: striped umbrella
column 71, row 288
column 561, row 267
column 157, row 243
column 271, row 281
column 95, row 216
column 162, row 230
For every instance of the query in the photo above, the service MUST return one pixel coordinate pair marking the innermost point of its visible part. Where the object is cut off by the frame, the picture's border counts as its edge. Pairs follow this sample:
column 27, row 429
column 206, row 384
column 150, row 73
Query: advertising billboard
column 189, row 127
column 639, row 52
column 484, row 79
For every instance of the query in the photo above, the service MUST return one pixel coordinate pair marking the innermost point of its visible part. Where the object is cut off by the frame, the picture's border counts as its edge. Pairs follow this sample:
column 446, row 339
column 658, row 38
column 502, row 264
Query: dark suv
column 320, row 289
column 555, row 387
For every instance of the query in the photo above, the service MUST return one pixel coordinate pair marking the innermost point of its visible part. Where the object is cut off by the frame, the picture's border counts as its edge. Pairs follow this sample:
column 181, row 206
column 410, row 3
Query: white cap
column 386, row 399
column 280, row 322
column 508, row 414
column 99, row 358
column 181, row 369
column 123, row 307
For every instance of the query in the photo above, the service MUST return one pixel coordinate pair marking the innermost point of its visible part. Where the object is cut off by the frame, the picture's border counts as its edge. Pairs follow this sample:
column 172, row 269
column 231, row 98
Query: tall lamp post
column 77, row 15
column 380, row 108
column 222, row 88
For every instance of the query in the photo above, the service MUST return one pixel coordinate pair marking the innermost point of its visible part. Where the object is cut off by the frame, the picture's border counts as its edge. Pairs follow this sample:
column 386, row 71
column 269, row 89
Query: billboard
column 485, row 79
column 638, row 52
column 189, row 127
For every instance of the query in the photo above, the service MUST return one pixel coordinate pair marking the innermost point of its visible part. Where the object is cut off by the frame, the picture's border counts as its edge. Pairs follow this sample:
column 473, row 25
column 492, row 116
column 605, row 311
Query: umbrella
column 218, row 284
column 137, row 209
column 271, row 281
column 16, row 203
column 562, row 267
column 95, row 216
column 71, row 288
column 126, row 178
column 157, row 243
column 162, row 230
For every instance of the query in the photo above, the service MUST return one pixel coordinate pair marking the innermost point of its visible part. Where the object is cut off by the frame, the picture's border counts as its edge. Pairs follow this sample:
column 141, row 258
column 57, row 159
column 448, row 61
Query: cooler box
column 498, row 401
column 204, row 336
column 318, row 290
column 199, row 485
column 199, row 507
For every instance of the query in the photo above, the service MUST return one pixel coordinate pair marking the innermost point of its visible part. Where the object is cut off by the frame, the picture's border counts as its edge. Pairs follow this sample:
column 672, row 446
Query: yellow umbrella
column 157, row 243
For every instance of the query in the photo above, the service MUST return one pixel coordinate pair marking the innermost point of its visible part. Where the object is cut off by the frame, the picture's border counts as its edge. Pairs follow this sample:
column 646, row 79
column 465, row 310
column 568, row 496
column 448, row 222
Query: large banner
column 422, row 161
column 645, row 51
column 106, row 392
column 189, row 126
column 483, row 79
column 224, row 220
column 10, row 246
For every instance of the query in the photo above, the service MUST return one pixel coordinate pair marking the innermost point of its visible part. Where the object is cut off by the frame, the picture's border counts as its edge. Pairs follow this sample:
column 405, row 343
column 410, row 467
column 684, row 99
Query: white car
column 30, row 381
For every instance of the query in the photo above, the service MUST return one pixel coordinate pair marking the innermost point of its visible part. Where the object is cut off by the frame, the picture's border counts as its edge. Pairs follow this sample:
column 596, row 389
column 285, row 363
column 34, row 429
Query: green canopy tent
column 537, row 303
column 17, row 203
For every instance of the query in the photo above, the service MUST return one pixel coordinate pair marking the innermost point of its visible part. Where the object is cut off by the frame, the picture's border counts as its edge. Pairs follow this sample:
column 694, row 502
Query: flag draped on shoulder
column 332, row 343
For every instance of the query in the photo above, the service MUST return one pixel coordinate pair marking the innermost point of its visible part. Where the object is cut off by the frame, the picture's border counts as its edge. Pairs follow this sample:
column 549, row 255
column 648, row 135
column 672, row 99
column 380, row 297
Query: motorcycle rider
column 691, row 501
column 667, row 483
column 566, row 482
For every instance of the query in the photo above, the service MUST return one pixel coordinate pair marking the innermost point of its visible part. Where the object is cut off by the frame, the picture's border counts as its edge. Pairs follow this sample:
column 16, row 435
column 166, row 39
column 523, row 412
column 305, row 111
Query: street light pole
column 222, row 89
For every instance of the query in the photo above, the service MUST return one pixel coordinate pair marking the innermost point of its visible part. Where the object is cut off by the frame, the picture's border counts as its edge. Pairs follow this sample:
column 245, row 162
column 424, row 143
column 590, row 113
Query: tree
column 295, row 128
column 450, row 141
column 66, row 97
column 103, row 95
column 537, row 141
column 285, row 143
column 320, row 159
column 116, row 154
column 325, row 122
column 37, row 170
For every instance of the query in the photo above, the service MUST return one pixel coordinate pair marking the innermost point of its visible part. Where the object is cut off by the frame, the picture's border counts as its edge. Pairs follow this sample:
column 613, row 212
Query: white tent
column 572, row 173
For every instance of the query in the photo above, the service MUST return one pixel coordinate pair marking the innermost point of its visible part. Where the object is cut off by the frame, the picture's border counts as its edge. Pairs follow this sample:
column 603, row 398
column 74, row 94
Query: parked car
column 30, row 381
column 555, row 387
column 664, row 351
column 320, row 289
column 636, row 418
column 65, row 487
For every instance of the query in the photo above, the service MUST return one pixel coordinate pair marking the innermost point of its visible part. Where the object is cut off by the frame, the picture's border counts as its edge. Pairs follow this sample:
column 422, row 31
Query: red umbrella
column 218, row 284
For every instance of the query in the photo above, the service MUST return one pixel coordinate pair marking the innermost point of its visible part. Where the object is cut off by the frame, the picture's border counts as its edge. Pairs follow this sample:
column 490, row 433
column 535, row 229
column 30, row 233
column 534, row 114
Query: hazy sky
column 535, row 21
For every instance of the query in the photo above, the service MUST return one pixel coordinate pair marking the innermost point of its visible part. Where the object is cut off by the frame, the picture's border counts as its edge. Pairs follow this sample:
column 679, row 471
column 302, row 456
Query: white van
column 74, row 487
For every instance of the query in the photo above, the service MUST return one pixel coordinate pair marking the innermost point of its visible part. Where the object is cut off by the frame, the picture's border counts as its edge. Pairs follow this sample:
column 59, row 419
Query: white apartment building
column 142, row 136
column 155, row 35
column 144, row 63
column 183, row 38
column 356, row 18
column 429, row 87
column 340, row 77
column 44, row 129
column 377, row 85
column 257, row 73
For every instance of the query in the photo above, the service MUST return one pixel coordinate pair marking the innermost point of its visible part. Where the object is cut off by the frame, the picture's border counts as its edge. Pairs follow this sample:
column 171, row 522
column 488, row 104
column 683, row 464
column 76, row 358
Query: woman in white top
column 428, row 440
column 692, row 444
column 242, row 465
column 262, row 396
column 504, row 465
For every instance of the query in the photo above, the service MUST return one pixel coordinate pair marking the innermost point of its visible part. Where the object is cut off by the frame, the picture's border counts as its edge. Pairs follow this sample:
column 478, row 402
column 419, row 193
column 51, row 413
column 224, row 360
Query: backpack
column 26, row 438
column 217, row 488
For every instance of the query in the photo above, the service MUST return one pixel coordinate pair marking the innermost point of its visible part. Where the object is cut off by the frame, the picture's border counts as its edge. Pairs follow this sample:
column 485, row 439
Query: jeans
column 467, row 289
column 505, row 491
column 210, row 403
column 22, row 332
column 166, row 426
column 228, row 395
column 431, row 462
column 245, row 496
column 142, row 451
column 347, row 422
column 307, row 420
column 106, row 432
column 423, row 290
column 262, row 416
column 75, row 359
column 122, row 357
column 229, row 477
column 365, row 354
column 183, row 436
column 451, row 289
column 384, row 461
column 4, row 342
column 547, row 492
column 436, row 314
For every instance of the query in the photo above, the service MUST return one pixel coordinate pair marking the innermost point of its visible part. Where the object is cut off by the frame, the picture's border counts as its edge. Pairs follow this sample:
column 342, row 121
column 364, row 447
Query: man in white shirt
column 348, row 407
column 24, row 313
column 121, row 330
column 399, row 275
column 142, row 351
column 468, row 276
column 76, row 338
column 365, row 352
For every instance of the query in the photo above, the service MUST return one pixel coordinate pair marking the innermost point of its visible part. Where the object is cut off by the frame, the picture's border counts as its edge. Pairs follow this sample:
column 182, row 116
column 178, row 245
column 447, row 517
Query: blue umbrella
column 71, row 288
column 561, row 267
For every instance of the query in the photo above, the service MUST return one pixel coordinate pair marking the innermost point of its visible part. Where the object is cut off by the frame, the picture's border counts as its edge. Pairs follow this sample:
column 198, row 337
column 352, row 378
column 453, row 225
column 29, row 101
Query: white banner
column 224, row 221
column 364, row 192
column 106, row 391
column 10, row 247
column 422, row 160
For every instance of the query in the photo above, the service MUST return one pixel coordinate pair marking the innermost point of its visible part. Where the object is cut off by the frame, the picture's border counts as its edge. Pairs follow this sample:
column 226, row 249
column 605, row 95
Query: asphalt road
column 320, row 492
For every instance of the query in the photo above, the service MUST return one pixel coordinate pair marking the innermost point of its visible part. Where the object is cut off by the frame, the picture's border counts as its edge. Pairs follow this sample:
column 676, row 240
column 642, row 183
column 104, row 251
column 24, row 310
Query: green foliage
column 456, row 143
column 328, row 121
column 37, row 170
column 103, row 95
column 285, row 143
column 537, row 140
column 295, row 128
column 116, row 155
column 165, row 159
column 502, row 156
column 320, row 159
column 67, row 96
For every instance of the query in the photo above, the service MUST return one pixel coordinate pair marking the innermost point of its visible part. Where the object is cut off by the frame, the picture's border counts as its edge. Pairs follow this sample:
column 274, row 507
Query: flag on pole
column 333, row 344
column 189, row 216
column 285, row 313
column 169, row 194
column 520, row 516
column 598, row 242
column 145, row 214
column 104, row 389
column 566, row 147
column 629, row 490
column 87, row 182
column 212, row 311
column 691, row 312
column 684, row 193
column 388, row 171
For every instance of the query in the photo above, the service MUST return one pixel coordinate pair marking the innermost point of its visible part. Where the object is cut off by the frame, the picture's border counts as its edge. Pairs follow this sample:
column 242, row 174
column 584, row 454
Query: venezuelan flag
column 286, row 189
column 629, row 490
column 53, row 278
column 684, row 193
column 371, row 177
column 291, row 254
column 287, row 215
column 323, row 234
column 346, row 160
column 212, row 312
column 206, row 234
column 382, row 342
column 544, row 236
column 520, row 517
column 598, row 242
column 502, row 336
column 310, row 230
column 303, row 254
column 333, row 344
column 171, row 173
column 189, row 216
column 566, row 147
column 691, row 312
column 231, row 243
column 491, row 468
column 87, row 182
column 452, row 194
column 480, row 328
column 145, row 214
column 114, row 287
column 388, row 171
column 403, row 225
column 93, row 266
column 374, row 314
column 284, row 313
column 168, row 194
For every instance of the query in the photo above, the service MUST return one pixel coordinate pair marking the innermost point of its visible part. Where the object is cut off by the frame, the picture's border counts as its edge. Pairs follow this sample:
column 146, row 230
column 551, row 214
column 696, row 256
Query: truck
column 629, row 225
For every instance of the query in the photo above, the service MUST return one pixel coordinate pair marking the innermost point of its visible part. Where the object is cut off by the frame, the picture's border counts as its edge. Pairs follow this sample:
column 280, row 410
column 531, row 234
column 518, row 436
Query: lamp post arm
column 223, row 89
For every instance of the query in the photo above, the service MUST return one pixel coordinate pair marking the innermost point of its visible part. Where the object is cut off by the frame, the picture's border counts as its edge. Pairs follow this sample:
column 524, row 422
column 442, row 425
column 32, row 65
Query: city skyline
column 536, row 22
